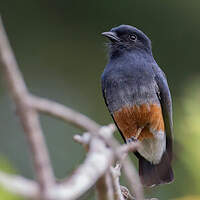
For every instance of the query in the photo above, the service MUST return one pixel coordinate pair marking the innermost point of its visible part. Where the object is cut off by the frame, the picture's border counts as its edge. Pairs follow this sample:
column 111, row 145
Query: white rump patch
column 152, row 149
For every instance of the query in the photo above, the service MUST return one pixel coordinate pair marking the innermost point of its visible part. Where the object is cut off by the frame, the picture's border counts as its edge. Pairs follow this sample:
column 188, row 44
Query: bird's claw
column 132, row 139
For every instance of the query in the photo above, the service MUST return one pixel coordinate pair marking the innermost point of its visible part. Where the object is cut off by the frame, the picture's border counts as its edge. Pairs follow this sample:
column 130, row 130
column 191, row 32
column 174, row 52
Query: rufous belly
column 148, row 117
column 144, row 123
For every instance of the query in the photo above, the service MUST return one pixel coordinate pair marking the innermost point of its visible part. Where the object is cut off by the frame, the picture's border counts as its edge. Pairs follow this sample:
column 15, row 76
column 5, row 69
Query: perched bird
column 138, row 98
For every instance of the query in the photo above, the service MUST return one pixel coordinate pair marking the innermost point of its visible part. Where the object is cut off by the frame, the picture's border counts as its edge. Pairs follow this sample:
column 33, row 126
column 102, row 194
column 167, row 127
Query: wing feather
column 165, row 99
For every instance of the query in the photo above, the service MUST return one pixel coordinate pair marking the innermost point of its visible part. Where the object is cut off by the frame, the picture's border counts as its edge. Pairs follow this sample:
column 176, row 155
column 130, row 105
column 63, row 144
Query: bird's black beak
column 112, row 36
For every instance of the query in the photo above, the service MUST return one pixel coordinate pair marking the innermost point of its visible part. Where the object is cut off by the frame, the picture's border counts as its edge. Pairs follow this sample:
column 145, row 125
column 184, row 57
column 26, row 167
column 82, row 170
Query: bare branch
column 121, row 154
column 115, row 174
column 104, row 187
column 66, row 114
column 84, row 140
column 128, row 167
column 95, row 166
column 126, row 148
column 133, row 179
column 98, row 160
column 19, row 185
column 28, row 116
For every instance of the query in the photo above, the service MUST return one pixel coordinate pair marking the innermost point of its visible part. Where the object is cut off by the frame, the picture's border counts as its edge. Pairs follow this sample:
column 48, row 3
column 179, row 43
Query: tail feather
column 152, row 174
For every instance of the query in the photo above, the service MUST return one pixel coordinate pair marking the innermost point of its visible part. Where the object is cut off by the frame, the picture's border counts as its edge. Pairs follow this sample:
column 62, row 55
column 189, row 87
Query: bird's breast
column 121, row 91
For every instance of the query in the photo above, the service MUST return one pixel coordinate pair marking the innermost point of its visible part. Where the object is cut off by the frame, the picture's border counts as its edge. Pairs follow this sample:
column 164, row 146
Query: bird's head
column 126, row 37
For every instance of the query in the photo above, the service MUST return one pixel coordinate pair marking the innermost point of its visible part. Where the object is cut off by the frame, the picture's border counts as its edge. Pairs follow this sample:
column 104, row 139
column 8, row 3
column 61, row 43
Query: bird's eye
column 133, row 37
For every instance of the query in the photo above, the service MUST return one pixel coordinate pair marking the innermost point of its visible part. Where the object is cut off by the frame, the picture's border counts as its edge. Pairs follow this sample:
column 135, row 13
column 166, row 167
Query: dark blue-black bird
column 138, row 98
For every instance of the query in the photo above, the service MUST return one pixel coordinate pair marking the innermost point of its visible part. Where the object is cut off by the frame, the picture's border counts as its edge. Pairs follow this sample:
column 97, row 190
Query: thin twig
column 115, row 174
column 133, row 179
column 124, row 149
column 28, row 116
column 84, row 140
column 66, row 114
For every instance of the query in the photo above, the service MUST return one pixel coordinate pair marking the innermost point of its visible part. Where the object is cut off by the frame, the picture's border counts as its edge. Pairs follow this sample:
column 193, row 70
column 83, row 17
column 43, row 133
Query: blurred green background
column 62, row 55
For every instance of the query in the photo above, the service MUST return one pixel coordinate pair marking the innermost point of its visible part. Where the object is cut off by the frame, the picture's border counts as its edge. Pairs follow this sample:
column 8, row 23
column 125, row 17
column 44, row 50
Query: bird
column 137, row 95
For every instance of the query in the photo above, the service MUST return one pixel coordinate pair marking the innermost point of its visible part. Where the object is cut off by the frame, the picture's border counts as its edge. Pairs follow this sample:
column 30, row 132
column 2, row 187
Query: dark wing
column 103, row 87
column 166, row 104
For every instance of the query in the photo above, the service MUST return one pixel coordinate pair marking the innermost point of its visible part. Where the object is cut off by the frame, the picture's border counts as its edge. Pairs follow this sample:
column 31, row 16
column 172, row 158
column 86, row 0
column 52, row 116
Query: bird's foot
column 135, row 138
column 132, row 139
